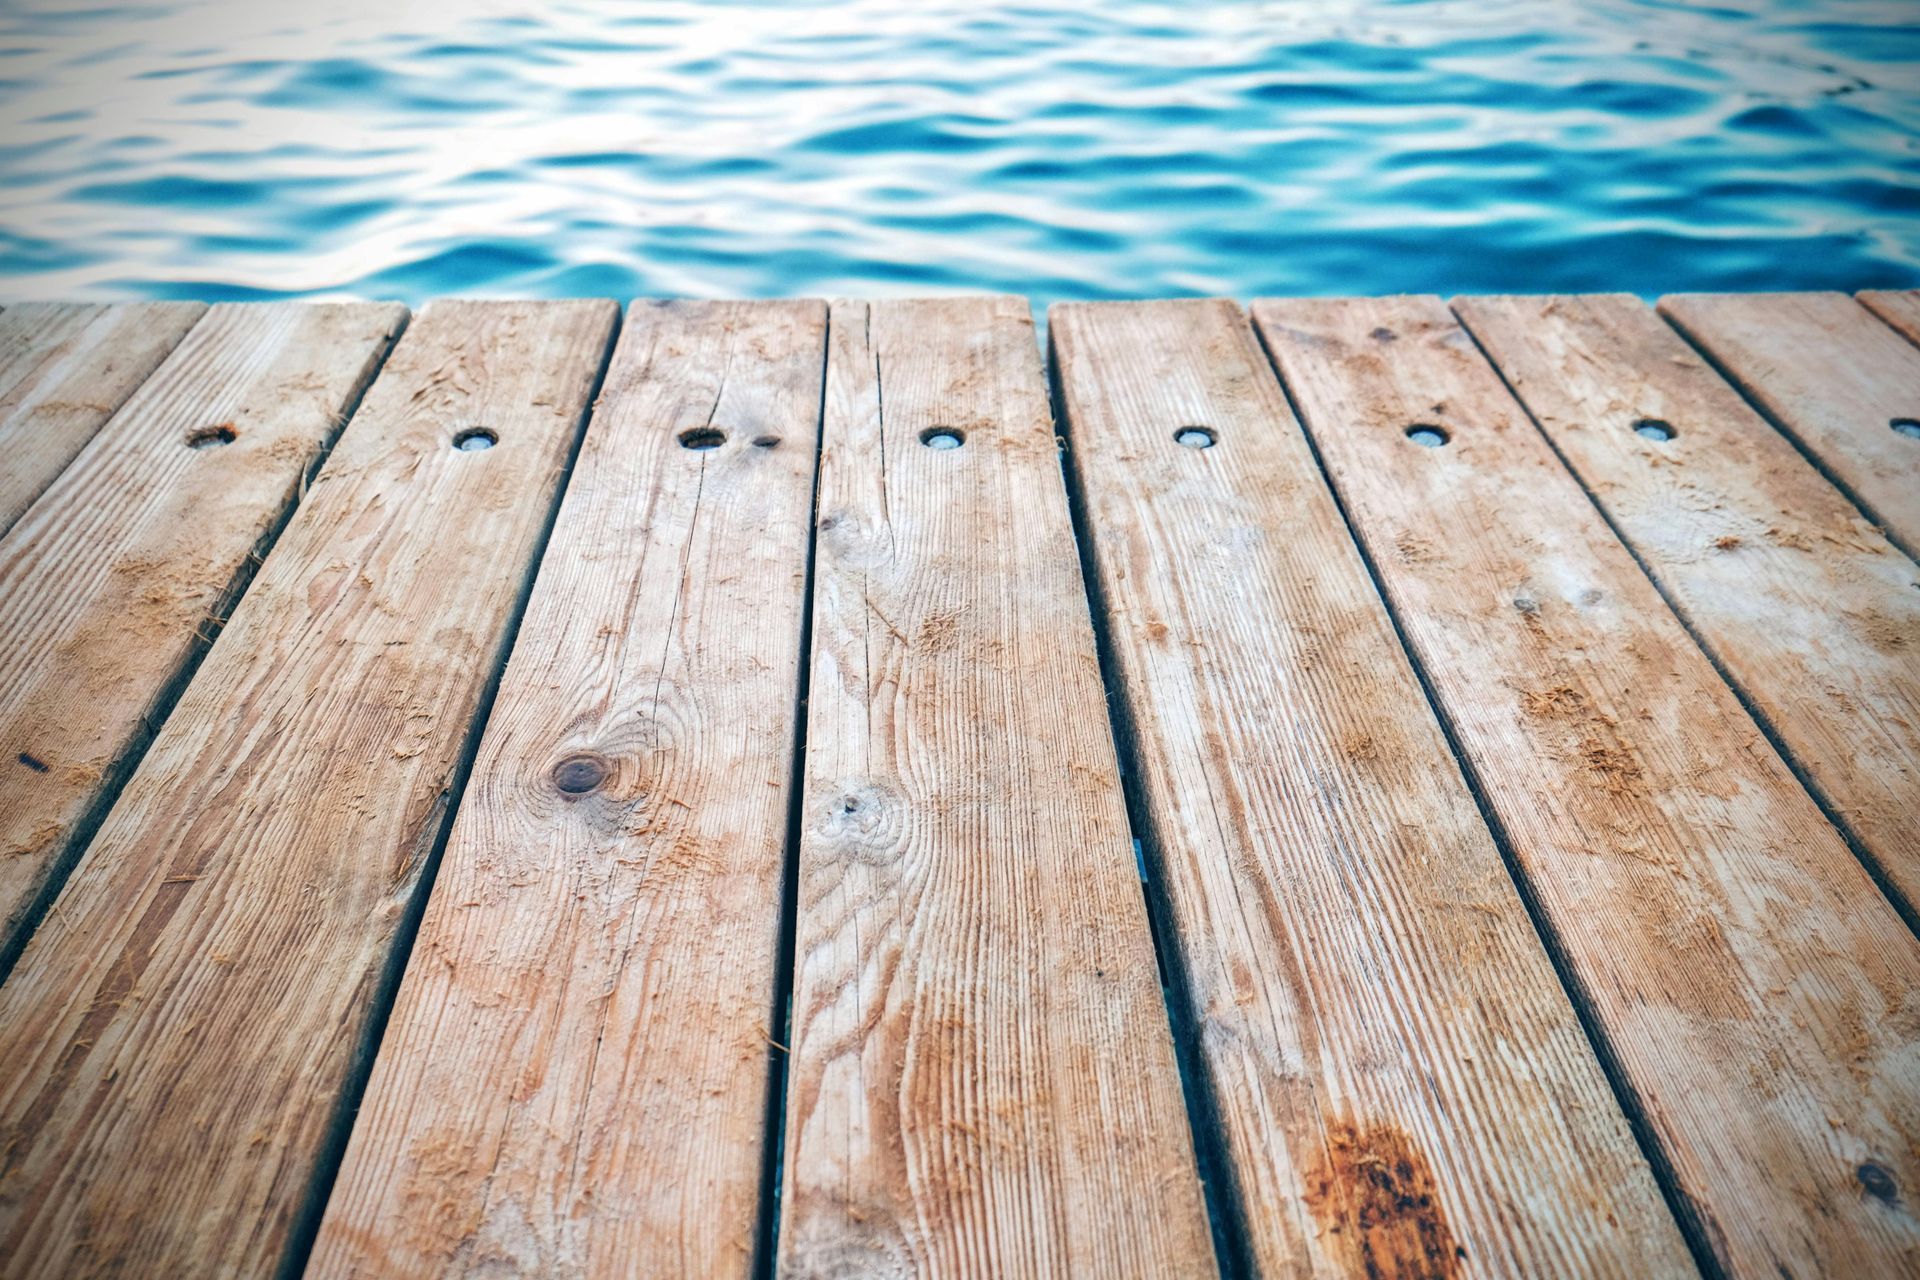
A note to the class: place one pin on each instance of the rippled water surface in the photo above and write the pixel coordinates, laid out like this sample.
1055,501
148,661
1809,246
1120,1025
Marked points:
407,148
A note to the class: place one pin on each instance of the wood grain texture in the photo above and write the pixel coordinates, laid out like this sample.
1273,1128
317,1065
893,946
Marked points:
1370,991
1898,307
575,1078
64,369
1759,995
109,587
180,1029
1811,612
1829,372
982,1081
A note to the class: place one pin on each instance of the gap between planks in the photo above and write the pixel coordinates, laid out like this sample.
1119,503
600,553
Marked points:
969,1040
114,583
601,942
1341,907
1807,610
64,370
1834,376
1645,808
214,918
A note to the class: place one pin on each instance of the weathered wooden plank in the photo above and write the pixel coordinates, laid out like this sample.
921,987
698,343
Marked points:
1830,373
64,369
1898,307
1761,998
982,1081
1810,611
179,1031
574,1081
1404,1086
108,586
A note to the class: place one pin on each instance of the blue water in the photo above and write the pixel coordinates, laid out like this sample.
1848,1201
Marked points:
409,148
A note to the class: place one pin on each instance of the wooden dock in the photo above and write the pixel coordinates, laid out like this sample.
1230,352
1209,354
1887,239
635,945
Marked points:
1361,787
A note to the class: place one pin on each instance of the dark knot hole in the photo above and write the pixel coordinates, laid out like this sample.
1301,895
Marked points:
578,774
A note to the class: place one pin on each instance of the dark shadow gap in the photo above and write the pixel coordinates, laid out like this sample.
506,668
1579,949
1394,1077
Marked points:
1754,402
1693,1228
1226,1208
1883,317
333,1146
114,779
779,1052
1874,868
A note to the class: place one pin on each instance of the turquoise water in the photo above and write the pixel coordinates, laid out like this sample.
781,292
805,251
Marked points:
390,148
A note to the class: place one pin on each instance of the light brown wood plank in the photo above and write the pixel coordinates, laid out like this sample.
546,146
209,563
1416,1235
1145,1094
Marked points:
1898,307
983,1082
1403,1083
180,1029
575,1078
1811,612
64,369
1761,997
111,584
1830,373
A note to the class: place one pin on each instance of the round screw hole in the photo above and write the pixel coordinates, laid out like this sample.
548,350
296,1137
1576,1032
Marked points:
1908,427
1195,437
765,442
942,437
579,774
1654,429
700,439
1878,1183
474,439
212,437
1427,436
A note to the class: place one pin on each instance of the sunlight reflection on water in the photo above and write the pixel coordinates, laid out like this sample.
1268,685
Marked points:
402,149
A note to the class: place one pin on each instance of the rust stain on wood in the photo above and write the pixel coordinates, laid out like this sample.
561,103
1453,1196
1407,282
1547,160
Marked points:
1376,1198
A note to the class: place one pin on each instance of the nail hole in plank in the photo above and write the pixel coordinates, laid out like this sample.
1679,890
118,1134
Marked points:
212,437
1878,1183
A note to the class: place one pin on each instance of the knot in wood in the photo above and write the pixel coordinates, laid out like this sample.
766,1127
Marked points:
580,773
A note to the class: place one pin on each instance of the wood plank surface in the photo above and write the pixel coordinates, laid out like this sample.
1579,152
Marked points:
1898,307
111,585
1760,997
1831,374
64,369
181,1028
1813,614
983,1082
1403,1083
575,1078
